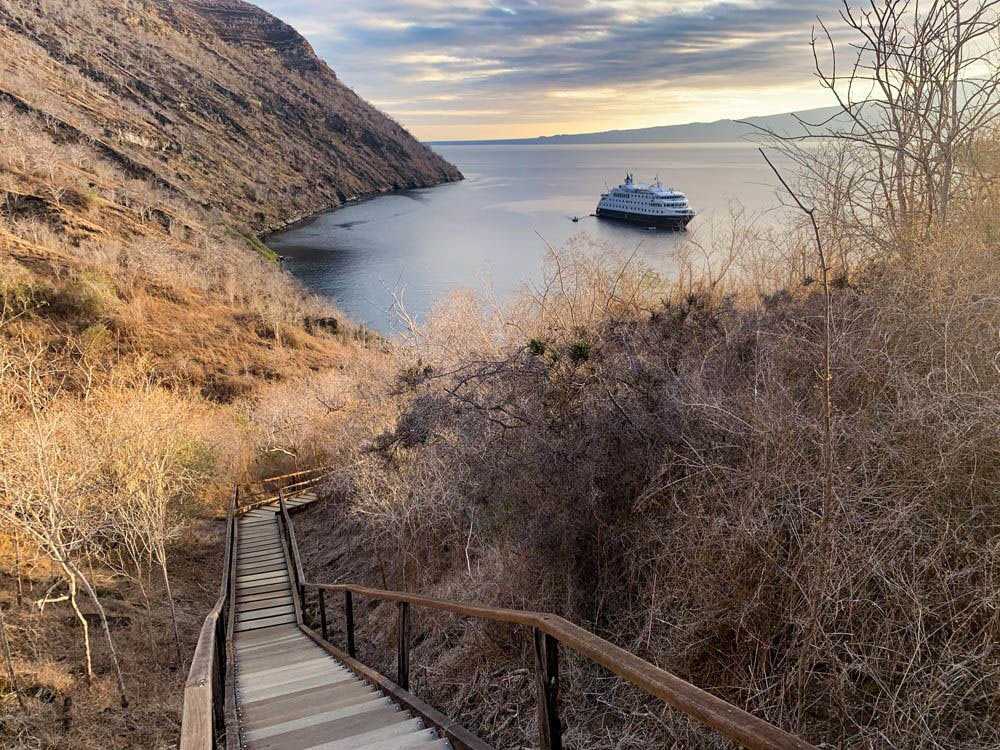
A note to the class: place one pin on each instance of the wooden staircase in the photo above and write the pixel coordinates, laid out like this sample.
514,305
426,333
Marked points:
264,678
290,693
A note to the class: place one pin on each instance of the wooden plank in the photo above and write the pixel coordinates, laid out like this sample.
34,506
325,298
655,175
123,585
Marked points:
263,546
276,679
406,743
433,745
547,689
310,699
264,558
270,714
261,567
267,559
252,554
252,651
248,644
256,599
262,638
261,563
261,578
257,539
261,551
269,690
267,579
197,715
306,660
266,623
303,669
253,565
265,612
312,720
258,545
257,604
254,562
270,588
277,647
333,730
275,599
382,738
251,666
253,656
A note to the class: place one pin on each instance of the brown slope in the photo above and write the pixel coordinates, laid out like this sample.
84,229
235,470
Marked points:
224,103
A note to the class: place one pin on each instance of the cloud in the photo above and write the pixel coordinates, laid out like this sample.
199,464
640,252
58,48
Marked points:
517,57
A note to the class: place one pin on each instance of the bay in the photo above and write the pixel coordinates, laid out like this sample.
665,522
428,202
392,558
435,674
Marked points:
490,232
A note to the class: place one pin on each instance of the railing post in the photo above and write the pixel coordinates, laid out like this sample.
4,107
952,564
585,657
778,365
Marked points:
547,681
403,647
349,620
322,613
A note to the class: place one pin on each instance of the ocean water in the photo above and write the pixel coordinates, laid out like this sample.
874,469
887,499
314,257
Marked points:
490,232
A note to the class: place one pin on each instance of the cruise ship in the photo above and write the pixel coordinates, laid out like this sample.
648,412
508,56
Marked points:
649,205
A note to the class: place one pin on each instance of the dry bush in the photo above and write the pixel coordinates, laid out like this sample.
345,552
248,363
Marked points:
321,418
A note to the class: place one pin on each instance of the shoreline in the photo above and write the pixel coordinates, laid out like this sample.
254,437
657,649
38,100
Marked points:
302,219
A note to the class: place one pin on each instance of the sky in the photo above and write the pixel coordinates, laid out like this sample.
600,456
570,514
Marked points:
479,69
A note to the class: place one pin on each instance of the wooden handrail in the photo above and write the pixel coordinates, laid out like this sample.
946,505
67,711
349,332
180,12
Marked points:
279,477
293,547
274,498
204,689
714,712
303,483
722,716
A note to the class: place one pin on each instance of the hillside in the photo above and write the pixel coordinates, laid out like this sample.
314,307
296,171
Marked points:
143,145
720,131
219,101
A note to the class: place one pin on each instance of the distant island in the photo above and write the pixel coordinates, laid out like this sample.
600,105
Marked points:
695,132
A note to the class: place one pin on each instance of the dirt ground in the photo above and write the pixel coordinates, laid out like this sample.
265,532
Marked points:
63,708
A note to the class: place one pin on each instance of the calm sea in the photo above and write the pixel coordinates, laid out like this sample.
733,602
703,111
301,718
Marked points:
489,232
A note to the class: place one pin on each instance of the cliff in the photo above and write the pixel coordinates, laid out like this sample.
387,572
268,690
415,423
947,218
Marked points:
142,144
221,102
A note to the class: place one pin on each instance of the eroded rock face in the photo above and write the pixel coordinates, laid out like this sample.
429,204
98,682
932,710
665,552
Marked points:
223,102
244,25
